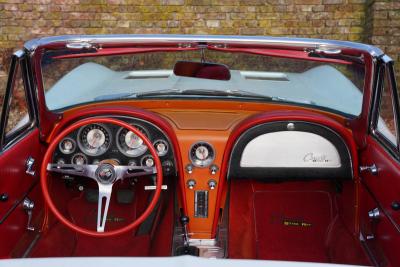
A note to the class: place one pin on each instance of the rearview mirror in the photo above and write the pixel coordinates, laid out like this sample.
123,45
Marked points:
202,70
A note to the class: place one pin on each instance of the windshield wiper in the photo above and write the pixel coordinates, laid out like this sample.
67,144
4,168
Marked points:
205,92
187,92
116,96
296,101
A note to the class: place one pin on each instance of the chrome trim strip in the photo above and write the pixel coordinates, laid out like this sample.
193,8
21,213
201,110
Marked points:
32,45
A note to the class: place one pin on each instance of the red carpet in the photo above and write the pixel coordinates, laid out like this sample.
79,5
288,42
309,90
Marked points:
292,225
84,214
60,241
291,221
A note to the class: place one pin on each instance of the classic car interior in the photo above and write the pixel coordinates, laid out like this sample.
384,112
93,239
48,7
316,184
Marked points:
214,147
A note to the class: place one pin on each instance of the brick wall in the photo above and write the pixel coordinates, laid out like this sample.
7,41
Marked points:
384,27
376,22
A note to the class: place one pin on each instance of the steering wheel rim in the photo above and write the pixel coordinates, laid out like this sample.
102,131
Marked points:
44,178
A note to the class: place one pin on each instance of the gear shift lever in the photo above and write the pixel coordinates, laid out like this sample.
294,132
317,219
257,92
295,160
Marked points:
186,249
184,221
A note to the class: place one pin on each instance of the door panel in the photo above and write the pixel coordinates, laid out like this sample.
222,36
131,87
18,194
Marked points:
14,181
13,229
17,184
381,237
19,140
385,186
379,219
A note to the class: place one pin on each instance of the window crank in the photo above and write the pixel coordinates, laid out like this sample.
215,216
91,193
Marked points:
28,206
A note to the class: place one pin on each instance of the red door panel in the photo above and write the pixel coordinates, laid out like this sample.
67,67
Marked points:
385,186
17,184
381,234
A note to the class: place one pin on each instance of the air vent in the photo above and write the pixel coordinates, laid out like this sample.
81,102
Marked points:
270,76
149,74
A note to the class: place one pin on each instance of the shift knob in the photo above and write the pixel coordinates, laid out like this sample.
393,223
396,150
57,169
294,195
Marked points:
184,220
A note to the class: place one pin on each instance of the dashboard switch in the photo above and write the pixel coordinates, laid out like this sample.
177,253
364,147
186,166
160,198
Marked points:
191,184
213,169
189,168
212,184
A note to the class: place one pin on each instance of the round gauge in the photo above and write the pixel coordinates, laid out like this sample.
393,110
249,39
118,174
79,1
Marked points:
129,143
67,145
79,159
94,139
201,154
161,147
147,161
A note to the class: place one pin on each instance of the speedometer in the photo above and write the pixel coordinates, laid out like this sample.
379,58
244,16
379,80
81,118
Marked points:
94,139
129,143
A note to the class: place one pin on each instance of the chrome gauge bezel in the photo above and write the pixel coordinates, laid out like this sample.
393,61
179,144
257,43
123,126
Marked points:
102,149
79,154
137,152
166,147
143,158
202,163
67,152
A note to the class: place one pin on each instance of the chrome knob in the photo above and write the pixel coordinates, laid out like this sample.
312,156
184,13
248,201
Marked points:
374,214
212,184
213,169
29,166
28,205
373,169
189,168
191,184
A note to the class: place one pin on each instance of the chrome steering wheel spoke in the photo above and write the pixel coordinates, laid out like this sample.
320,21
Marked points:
133,171
105,175
105,191
88,171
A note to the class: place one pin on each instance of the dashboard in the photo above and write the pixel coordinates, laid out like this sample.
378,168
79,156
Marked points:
194,145
95,143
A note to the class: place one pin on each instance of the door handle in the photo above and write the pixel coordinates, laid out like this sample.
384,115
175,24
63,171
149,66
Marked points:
373,169
374,214
29,166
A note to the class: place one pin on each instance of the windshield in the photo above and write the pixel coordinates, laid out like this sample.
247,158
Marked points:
72,81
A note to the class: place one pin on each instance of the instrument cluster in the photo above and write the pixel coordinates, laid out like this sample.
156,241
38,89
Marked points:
95,143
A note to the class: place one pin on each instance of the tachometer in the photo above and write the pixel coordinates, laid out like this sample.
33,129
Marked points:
129,143
94,139
201,154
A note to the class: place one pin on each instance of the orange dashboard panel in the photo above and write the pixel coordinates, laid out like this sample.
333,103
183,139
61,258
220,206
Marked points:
202,129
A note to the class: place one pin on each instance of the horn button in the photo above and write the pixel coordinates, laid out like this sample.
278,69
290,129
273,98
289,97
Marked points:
105,173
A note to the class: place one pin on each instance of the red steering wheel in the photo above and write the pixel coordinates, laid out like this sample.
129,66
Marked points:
105,174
